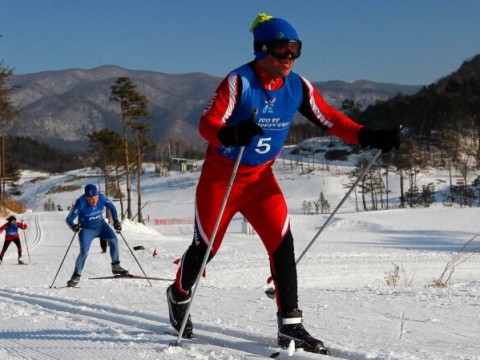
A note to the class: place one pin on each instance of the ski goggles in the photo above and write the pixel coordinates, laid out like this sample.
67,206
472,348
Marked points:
280,49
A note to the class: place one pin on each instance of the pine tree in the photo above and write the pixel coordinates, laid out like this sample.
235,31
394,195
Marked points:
107,144
133,106
324,204
7,115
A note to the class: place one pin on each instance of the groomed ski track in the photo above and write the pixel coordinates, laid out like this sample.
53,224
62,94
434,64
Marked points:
87,329
108,332
342,293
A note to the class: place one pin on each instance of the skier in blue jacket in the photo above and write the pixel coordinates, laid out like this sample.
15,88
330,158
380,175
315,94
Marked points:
89,209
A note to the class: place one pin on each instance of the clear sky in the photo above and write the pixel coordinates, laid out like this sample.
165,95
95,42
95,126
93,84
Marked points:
412,42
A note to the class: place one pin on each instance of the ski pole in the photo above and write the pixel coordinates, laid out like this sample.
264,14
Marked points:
131,251
271,291
214,234
210,243
26,245
61,264
339,205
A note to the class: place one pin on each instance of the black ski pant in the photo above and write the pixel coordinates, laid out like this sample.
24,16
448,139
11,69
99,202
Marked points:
7,243
283,269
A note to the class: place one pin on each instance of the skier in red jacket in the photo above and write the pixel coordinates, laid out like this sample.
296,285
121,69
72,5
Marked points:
268,85
11,235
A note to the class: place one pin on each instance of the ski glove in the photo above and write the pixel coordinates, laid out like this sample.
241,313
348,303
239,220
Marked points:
76,227
385,140
239,135
117,226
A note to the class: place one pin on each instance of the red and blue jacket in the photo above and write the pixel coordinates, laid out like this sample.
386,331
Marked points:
246,88
11,230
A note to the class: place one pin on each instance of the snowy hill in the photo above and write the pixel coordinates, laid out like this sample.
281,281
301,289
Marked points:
343,288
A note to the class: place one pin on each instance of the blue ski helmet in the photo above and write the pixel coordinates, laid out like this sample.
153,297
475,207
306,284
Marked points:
91,190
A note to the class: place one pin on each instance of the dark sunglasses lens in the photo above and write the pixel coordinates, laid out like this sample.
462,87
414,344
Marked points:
283,50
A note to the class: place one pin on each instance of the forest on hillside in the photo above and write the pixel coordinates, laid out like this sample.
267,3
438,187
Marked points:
440,128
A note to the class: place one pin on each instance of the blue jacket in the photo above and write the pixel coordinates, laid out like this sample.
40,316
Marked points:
90,217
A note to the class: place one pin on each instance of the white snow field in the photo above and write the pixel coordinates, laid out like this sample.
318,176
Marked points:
343,288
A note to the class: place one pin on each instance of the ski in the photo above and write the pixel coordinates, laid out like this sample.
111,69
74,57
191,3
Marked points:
279,353
17,264
66,287
130,276
287,354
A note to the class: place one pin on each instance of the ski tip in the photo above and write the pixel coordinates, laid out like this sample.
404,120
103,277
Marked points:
275,355
65,287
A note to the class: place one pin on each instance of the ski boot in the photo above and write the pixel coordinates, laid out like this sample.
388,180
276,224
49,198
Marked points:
118,270
177,308
73,280
290,327
20,261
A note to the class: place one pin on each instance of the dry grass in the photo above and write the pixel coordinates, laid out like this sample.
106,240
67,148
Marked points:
81,177
398,274
460,257
8,206
60,189
39,178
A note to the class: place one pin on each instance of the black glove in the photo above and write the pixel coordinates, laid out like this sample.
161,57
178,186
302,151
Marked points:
385,140
76,227
117,226
239,135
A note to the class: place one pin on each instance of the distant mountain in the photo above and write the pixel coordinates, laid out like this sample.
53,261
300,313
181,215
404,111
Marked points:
468,73
450,104
62,107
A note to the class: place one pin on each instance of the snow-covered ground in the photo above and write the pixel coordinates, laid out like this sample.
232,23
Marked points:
343,288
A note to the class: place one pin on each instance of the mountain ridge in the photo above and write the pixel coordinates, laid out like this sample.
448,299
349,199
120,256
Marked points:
61,107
